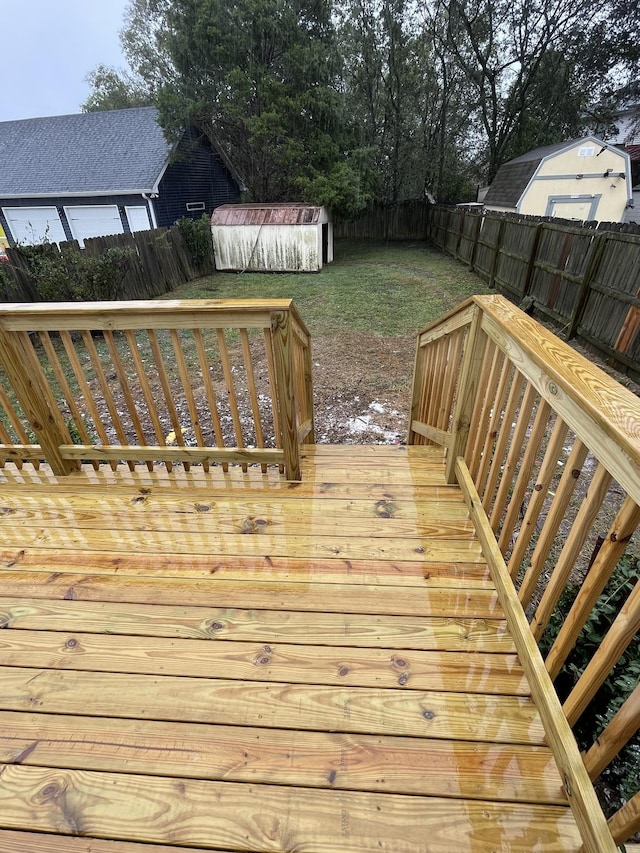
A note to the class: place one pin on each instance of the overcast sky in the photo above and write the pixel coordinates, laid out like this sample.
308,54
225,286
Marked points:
48,47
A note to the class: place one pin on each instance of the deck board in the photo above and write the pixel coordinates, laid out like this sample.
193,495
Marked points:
232,662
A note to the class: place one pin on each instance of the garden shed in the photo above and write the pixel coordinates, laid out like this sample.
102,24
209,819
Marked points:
289,237
583,179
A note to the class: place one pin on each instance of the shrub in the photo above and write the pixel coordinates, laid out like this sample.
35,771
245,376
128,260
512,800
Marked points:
619,781
73,275
197,236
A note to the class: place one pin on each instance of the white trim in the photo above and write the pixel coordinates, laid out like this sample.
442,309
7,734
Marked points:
84,194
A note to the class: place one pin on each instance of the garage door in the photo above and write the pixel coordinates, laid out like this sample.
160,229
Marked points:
33,225
138,218
93,220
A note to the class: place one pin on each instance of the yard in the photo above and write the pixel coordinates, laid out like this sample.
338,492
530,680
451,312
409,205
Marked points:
363,312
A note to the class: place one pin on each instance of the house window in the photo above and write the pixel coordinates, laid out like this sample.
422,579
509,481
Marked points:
586,151
195,205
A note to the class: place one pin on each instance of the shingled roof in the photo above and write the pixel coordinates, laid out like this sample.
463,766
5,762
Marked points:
115,151
512,177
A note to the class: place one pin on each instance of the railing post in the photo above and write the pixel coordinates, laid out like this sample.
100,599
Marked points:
308,389
282,337
467,393
32,390
416,389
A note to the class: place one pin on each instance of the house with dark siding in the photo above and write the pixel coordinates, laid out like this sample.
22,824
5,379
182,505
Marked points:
111,172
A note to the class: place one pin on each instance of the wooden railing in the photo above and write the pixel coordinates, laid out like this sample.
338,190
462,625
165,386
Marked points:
546,448
199,381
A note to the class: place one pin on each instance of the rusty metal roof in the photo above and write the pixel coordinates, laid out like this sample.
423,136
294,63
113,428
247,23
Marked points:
266,214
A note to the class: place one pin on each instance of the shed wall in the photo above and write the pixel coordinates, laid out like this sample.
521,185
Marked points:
557,178
273,248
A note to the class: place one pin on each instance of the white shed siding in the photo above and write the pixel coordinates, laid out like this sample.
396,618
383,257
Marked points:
273,238
282,248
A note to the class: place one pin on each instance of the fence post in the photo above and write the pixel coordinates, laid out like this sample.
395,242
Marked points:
531,265
468,385
598,246
282,336
476,238
24,372
496,255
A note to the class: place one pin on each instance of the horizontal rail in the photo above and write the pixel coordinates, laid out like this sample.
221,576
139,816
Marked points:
225,381
551,447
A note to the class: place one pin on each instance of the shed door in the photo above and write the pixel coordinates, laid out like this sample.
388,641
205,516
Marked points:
582,208
33,225
138,218
93,220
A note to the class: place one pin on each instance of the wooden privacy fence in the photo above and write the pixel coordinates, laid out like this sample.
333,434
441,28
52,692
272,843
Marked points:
159,260
586,279
199,381
546,448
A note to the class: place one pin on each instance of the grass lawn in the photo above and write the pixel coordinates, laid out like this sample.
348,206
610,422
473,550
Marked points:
363,312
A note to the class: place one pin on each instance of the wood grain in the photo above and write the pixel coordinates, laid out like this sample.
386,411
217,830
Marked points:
275,818
296,664
452,716
264,626
424,767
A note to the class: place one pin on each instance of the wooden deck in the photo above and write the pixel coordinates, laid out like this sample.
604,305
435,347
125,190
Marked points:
233,662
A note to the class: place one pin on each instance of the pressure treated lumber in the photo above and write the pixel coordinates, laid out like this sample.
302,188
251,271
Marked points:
270,817
426,767
295,664
265,626
451,716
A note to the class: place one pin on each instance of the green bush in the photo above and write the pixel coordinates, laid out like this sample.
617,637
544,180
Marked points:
620,779
197,236
74,275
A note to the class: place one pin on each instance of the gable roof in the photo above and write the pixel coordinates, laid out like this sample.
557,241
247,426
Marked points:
114,151
513,177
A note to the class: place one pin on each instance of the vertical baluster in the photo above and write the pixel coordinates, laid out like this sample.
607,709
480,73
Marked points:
539,495
482,411
612,549
166,389
454,354
209,391
106,392
15,422
61,376
502,440
499,402
626,821
513,456
188,392
516,500
573,545
126,391
608,653
615,736
231,391
141,373
564,491
268,340
253,393
83,386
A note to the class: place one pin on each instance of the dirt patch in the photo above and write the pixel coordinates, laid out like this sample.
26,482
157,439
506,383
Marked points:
362,388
